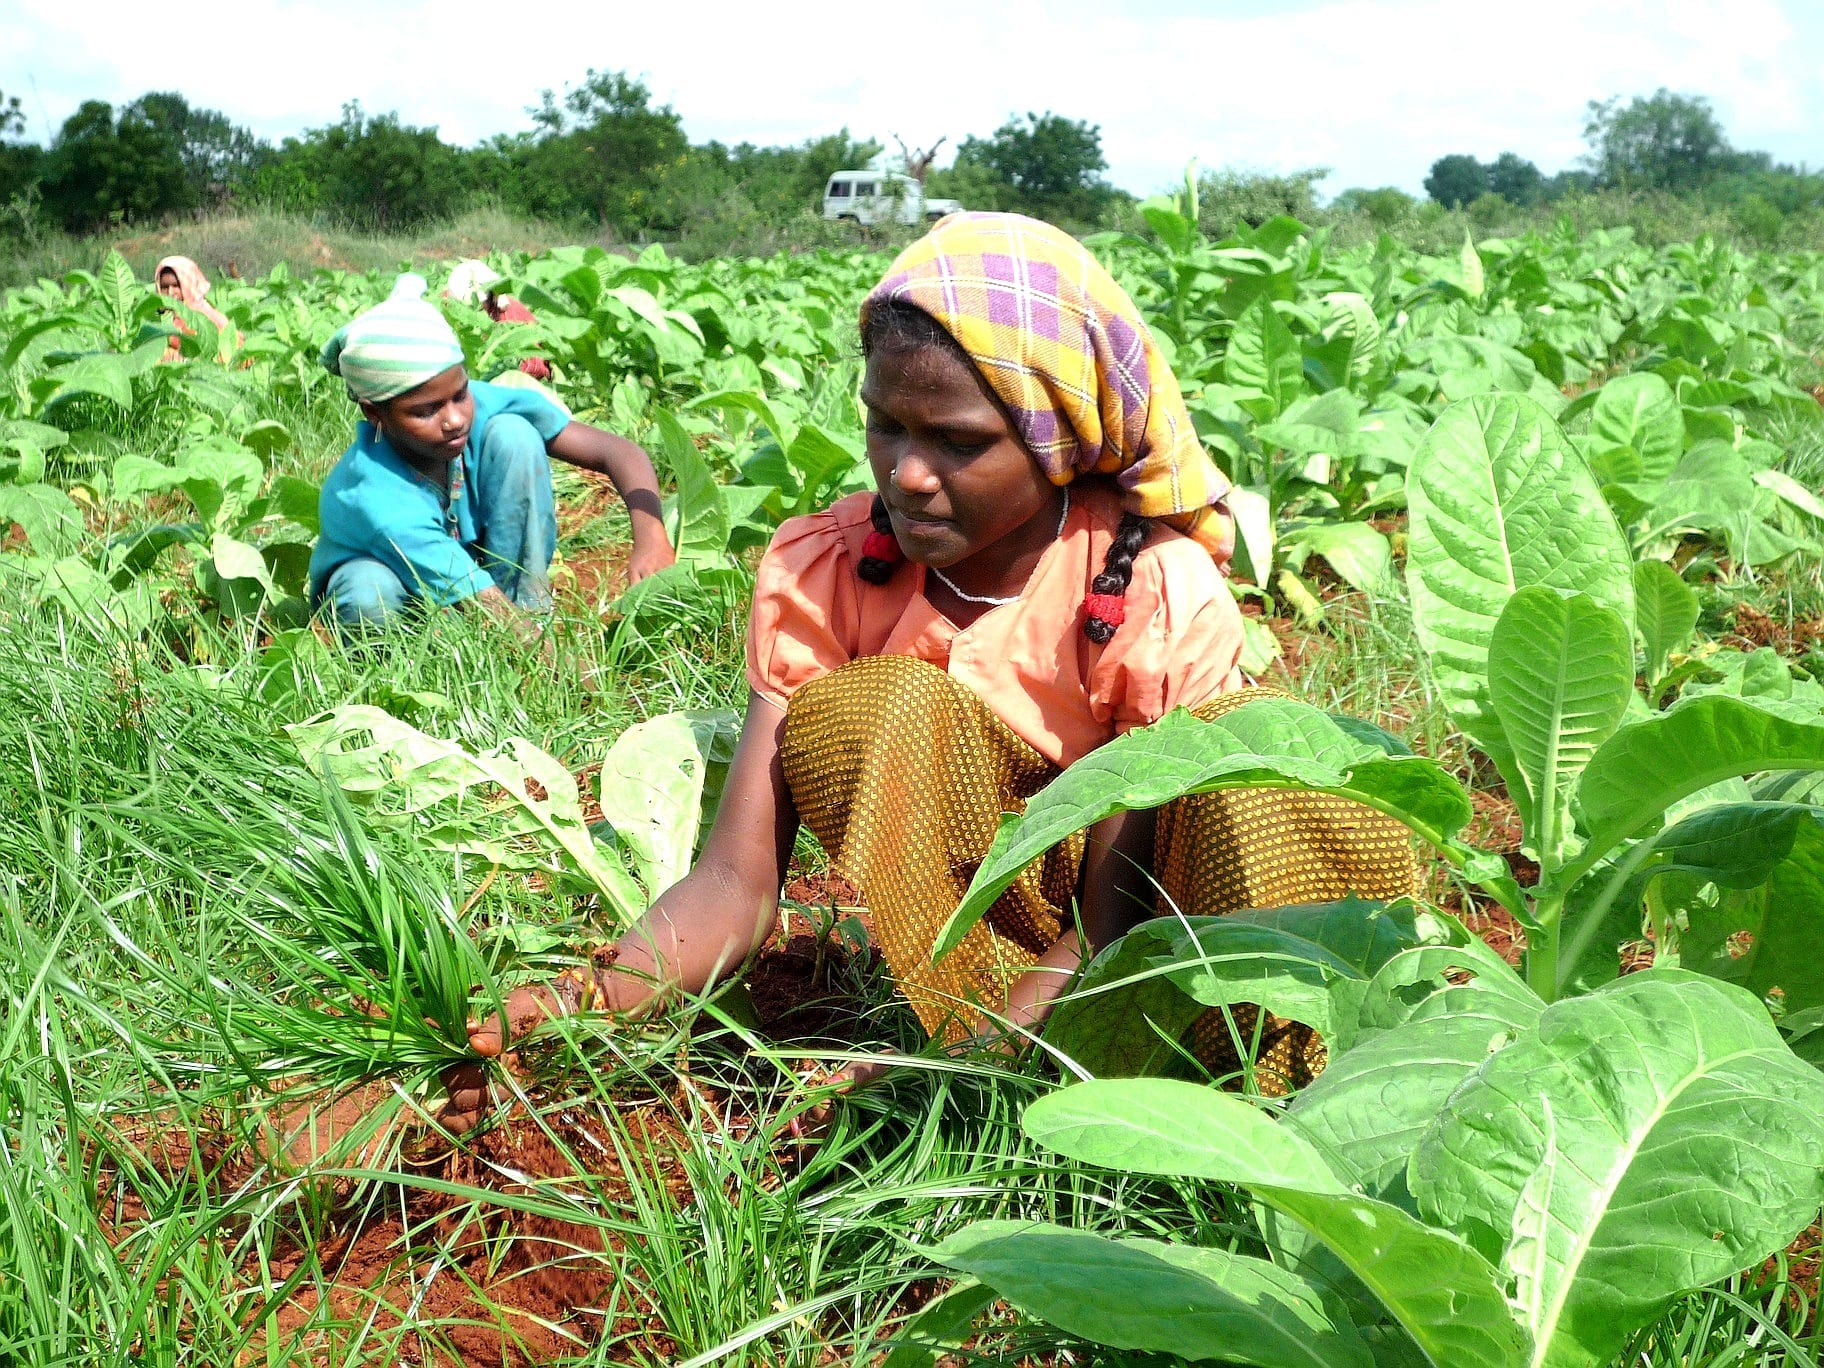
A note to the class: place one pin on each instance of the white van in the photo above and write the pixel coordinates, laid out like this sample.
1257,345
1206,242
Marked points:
881,197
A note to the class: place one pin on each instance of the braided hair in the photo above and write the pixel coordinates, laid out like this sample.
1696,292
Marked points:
893,324
880,553
1105,608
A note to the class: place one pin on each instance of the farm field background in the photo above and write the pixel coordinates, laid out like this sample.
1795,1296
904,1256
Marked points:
253,875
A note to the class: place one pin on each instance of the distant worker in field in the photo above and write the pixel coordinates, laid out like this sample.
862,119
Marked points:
445,494
1040,571
180,278
472,283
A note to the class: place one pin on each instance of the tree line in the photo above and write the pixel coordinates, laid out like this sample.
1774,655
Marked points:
599,153
602,155
1664,142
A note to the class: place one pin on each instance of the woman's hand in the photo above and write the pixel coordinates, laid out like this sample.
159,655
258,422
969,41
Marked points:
699,930
527,1008
813,1123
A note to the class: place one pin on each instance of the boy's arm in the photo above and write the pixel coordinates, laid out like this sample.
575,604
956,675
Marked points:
631,470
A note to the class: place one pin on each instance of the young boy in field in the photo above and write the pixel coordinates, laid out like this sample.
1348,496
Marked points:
445,494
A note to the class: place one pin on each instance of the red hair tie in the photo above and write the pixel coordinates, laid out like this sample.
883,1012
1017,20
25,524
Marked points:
1109,608
881,546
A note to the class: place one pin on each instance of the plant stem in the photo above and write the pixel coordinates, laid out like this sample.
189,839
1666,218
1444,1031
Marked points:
1542,944
1590,919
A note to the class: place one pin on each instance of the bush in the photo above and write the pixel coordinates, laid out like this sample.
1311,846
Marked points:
1226,198
371,170
1385,208
1759,219
1044,165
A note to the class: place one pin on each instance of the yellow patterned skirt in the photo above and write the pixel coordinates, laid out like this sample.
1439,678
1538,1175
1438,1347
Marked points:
903,775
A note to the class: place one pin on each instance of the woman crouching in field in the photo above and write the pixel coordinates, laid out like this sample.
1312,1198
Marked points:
181,279
1040,572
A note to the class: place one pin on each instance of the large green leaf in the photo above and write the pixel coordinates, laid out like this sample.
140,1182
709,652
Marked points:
1252,512
1710,488
1363,935
214,473
747,401
1804,1032
1651,1137
299,500
1310,964
1789,491
1648,766
1264,355
1665,613
1445,1295
1351,320
1135,1293
1125,1014
120,291
50,519
1269,743
1368,1108
1180,1130
136,475
1560,675
1469,262
1436,980
821,462
941,1326
103,375
1714,490
1731,844
700,532
1640,411
1499,501
651,788
406,775
1769,938
1360,554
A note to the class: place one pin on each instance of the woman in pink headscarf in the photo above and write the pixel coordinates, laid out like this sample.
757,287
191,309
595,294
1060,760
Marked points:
182,279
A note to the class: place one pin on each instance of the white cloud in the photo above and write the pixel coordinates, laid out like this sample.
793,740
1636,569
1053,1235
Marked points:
1373,88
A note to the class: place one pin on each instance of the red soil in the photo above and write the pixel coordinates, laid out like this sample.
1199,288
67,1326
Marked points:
589,578
502,1287
1751,629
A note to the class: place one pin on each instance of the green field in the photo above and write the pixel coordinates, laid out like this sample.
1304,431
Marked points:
1545,511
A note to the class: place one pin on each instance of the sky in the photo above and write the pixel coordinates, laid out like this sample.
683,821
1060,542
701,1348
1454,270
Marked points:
1376,90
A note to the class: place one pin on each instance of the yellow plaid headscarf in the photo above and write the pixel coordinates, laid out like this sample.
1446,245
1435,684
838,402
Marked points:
1064,348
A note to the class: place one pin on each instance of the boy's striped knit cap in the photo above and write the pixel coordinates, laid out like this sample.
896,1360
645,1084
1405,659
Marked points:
395,346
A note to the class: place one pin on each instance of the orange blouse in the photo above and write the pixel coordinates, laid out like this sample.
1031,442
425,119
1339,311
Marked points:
1029,660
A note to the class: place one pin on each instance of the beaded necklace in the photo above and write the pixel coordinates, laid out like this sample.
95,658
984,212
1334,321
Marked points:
990,599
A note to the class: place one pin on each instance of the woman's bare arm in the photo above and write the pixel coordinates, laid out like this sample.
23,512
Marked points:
704,926
1116,895
630,469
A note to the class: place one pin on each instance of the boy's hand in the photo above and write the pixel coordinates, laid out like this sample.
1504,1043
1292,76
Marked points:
649,560
630,470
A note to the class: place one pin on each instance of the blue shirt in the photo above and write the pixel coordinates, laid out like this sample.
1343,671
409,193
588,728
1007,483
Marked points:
375,504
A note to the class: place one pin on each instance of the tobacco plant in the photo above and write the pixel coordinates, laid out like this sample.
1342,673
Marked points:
1494,1168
